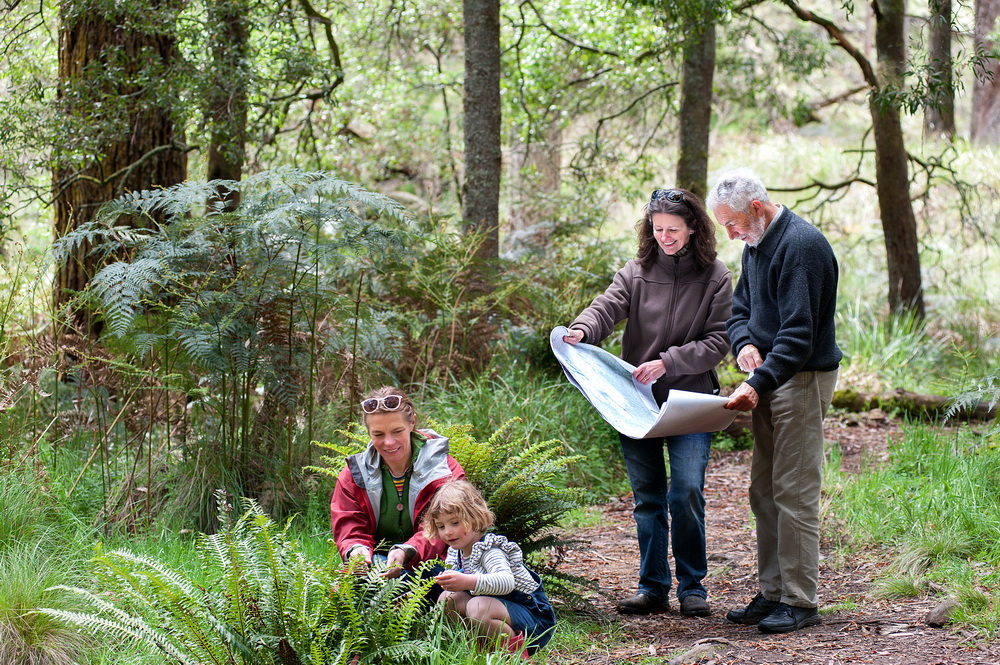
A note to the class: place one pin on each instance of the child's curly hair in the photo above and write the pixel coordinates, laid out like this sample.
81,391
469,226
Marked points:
461,498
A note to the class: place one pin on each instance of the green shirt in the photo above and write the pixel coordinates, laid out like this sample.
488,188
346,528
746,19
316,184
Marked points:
395,524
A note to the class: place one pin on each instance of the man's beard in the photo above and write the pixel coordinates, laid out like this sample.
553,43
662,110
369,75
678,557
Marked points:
756,231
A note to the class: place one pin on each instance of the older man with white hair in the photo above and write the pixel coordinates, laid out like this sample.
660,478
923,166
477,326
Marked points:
782,333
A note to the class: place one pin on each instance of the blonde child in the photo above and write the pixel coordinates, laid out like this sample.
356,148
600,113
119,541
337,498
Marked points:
488,583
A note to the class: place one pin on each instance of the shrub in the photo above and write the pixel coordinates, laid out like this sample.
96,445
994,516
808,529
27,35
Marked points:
256,600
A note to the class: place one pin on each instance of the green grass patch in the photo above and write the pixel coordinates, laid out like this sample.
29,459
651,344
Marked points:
936,507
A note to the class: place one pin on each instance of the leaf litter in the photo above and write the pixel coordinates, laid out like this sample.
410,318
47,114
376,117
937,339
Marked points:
858,626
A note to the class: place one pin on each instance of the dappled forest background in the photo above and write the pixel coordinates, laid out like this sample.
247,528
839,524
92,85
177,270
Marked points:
416,192
223,221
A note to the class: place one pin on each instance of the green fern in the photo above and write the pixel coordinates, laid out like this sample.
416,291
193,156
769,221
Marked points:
248,304
258,600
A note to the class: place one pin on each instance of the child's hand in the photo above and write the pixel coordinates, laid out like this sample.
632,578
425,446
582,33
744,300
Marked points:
452,580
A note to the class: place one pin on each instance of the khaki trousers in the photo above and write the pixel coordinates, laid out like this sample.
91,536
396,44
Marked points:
785,480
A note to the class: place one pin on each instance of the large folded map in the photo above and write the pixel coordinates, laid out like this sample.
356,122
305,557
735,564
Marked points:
629,406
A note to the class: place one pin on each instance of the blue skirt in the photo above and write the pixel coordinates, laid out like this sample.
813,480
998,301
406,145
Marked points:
531,614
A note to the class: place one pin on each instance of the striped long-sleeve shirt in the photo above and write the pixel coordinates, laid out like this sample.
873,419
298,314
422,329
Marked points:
498,565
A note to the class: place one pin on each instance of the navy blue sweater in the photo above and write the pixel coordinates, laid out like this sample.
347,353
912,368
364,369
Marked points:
784,302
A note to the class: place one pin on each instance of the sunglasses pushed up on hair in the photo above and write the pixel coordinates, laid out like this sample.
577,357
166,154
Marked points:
671,195
387,403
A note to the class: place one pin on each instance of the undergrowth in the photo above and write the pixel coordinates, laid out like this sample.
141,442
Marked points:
936,507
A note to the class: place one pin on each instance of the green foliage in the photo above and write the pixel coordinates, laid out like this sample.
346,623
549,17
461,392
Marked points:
39,547
27,571
937,506
520,481
239,312
257,599
545,404
728,443
986,389
887,353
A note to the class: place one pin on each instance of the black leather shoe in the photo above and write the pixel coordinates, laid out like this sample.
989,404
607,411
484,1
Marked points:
642,603
753,613
695,606
785,619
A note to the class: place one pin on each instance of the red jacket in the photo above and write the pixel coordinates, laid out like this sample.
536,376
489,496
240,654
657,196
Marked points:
358,495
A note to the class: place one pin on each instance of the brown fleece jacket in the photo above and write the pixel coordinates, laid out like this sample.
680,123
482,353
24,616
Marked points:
675,312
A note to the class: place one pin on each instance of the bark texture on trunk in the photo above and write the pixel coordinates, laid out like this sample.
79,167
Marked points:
986,94
696,109
227,103
939,113
899,224
104,88
481,191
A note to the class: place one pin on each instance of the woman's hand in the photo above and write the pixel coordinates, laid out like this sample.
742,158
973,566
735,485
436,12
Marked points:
574,337
646,373
362,552
453,580
394,563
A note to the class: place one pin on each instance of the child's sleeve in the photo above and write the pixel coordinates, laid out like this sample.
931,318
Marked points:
497,578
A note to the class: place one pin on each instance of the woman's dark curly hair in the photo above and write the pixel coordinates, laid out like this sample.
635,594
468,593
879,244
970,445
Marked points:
692,211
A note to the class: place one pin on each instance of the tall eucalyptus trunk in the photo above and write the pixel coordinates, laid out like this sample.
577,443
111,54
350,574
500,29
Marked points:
696,108
899,224
481,191
939,111
985,126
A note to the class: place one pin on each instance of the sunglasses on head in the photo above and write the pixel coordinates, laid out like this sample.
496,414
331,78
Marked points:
671,195
387,403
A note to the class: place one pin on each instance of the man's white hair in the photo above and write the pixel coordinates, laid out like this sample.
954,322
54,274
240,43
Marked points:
736,189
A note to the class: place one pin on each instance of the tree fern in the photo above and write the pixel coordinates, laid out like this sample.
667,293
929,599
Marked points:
239,298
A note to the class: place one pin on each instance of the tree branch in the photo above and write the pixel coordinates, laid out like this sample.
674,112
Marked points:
566,38
840,38
600,123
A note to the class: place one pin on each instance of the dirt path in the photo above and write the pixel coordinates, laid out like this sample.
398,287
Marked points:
859,629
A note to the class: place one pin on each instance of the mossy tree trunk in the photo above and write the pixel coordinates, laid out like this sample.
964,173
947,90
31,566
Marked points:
113,92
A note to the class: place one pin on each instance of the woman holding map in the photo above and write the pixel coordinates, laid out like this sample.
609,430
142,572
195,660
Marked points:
675,297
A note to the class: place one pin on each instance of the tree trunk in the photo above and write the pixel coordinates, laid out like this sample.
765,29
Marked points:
696,108
227,95
985,126
899,224
481,191
131,142
939,112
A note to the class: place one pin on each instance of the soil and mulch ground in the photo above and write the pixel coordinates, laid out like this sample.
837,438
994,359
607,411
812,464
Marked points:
857,627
